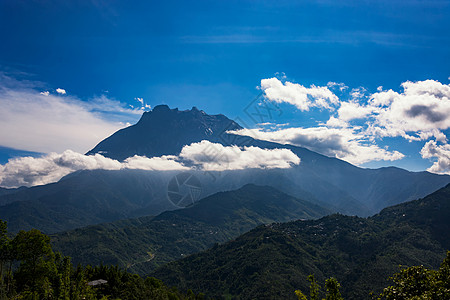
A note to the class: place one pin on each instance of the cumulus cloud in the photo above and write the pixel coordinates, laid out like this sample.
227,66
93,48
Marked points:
419,112
42,122
61,91
30,171
216,157
296,94
342,143
422,110
441,155
353,110
163,163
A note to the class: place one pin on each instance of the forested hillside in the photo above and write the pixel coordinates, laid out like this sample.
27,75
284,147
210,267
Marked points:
272,260
145,243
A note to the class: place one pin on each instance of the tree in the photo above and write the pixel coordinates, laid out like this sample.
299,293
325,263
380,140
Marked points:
314,288
37,266
419,282
332,286
6,260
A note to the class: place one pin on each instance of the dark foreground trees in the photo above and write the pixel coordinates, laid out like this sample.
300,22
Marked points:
413,283
331,285
420,283
29,269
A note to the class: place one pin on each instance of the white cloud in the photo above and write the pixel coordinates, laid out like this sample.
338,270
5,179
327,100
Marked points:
61,91
29,171
143,104
46,93
163,163
441,154
421,111
216,157
342,87
296,94
353,110
46,123
341,143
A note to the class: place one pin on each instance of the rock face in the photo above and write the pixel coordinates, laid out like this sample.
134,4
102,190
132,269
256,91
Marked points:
164,131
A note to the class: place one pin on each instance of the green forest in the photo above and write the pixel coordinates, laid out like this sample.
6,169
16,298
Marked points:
29,269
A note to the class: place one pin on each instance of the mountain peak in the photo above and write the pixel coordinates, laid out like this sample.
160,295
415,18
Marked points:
164,131
162,108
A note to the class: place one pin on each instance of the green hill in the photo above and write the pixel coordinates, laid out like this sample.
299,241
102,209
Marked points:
272,261
145,243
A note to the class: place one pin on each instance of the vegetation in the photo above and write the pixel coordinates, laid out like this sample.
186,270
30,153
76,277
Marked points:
413,283
142,244
273,260
331,284
419,282
43,274
270,261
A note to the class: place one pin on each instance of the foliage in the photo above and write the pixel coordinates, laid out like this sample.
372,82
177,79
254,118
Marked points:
331,284
43,274
361,253
419,282
141,245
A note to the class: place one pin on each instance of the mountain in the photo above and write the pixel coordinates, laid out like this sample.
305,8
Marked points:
164,131
145,243
4,191
98,196
272,261
349,189
84,198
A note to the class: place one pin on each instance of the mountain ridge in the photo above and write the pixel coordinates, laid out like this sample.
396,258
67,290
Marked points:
271,261
337,184
353,184
172,234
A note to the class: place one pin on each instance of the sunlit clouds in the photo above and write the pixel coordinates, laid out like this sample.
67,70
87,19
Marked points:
30,171
358,120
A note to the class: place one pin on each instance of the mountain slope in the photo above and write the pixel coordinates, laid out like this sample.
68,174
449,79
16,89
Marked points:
272,261
349,189
92,197
164,131
84,198
145,243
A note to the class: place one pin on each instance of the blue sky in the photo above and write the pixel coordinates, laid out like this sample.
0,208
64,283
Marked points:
111,55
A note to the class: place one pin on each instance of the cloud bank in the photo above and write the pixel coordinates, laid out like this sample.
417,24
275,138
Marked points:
216,157
29,171
341,143
359,120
